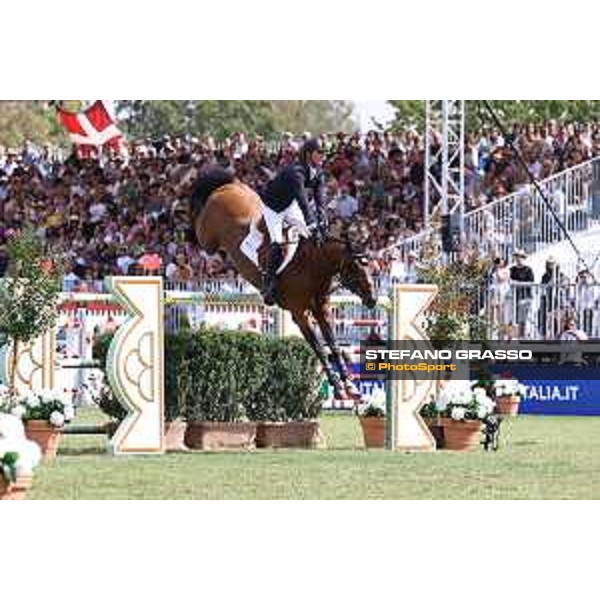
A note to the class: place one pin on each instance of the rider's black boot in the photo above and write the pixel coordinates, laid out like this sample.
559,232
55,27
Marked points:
270,282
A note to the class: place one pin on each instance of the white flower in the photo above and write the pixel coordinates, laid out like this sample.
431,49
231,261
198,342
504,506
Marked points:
33,401
458,413
479,394
11,428
29,457
18,411
506,387
482,412
57,419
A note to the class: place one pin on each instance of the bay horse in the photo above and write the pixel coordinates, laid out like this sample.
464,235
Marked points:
223,209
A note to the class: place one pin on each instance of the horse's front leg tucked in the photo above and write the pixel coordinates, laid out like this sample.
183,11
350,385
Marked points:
301,319
323,317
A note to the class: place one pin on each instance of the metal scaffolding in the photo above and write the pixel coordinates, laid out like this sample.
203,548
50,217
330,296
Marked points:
444,158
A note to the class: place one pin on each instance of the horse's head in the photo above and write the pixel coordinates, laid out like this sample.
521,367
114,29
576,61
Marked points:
354,275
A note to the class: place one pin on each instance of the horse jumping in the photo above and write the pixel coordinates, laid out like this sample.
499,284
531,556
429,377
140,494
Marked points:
224,210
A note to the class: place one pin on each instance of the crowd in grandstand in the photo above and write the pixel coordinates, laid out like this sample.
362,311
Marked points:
128,213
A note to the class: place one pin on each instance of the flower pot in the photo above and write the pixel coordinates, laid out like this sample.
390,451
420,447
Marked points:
14,491
216,435
437,431
461,435
175,436
507,405
373,429
293,434
46,436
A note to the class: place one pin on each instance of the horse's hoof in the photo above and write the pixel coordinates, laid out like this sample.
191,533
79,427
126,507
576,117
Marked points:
270,299
352,390
339,393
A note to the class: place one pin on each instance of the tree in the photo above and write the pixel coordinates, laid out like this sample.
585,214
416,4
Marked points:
29,294
29,120
411,113
316,116
221,118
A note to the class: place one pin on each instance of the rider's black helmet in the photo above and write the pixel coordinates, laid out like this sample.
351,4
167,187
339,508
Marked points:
310,146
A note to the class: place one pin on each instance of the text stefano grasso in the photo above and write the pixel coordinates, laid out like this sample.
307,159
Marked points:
385,354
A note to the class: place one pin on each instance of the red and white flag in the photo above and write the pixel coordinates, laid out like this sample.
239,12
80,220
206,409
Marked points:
92,127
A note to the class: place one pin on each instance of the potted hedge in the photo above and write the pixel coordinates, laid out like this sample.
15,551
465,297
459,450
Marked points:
288,403
224,370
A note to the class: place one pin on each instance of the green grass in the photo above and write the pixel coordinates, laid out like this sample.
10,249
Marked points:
541,457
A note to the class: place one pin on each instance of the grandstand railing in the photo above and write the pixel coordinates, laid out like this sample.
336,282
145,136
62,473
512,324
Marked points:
523,220
539,311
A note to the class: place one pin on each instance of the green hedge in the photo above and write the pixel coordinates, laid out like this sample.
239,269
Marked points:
232,375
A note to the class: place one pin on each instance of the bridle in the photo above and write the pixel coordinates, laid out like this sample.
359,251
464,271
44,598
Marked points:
349,274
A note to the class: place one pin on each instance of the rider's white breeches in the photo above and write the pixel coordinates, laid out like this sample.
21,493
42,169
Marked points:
292,215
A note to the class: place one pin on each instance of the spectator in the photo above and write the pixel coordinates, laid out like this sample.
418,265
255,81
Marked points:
571,335
500,289
347,205
550,299
521,273
587,300
179,271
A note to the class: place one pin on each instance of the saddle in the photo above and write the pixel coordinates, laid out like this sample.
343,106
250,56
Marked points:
255,245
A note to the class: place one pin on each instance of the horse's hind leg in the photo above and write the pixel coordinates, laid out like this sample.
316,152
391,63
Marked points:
323,318
309,335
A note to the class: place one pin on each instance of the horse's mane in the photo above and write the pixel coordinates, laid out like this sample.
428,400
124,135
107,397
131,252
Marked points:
212,179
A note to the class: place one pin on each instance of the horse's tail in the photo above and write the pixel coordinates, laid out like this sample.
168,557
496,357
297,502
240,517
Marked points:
214,178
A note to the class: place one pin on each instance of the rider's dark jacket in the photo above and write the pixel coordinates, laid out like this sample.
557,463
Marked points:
292,183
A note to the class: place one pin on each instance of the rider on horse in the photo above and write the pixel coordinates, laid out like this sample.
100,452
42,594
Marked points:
285,201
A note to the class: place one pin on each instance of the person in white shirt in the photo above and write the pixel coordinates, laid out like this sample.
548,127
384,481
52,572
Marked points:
347,205
586,299
410,275
124,261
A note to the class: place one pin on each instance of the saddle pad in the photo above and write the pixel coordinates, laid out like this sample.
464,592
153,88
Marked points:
255,239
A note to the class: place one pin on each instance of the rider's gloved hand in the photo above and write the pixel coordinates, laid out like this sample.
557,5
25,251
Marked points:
316,233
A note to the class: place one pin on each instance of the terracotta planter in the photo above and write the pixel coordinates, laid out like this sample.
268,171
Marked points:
175,436
294,434
215,435
46,436
14,491
437,431
461,435
373,429
507,405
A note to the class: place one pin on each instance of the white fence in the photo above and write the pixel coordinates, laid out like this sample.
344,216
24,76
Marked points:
524,220
540,311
